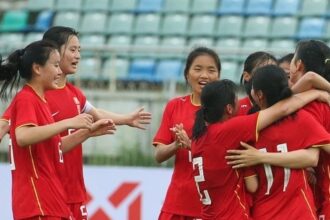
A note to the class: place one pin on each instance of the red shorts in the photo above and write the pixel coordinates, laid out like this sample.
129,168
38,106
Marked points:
78,210
170,216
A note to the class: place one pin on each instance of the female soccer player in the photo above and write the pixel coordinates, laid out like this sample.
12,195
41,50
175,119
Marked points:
215,131
251,63
182,201
68,101
35,146
310,55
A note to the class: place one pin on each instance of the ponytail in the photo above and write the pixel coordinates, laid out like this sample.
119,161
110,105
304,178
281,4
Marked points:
9,70
199,127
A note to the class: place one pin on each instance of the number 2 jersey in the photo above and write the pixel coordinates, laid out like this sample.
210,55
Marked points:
285,193
222,188
36,188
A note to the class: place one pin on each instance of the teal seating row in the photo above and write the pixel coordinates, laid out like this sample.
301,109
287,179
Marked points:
242,7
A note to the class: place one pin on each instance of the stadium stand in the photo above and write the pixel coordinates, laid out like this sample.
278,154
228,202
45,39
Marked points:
167,29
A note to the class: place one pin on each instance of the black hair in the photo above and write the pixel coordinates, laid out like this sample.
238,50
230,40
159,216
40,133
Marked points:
59,35
19,64
286,58
254,60
214,98
273,82
199,51
315,55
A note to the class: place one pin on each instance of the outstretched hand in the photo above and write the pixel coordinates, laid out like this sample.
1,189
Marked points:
102,127
250,156
181,136
139,118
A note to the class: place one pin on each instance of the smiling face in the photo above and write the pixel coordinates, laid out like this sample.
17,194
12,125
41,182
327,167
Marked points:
202,71
70,55
51,72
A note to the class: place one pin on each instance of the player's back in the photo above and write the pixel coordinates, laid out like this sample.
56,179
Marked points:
284,193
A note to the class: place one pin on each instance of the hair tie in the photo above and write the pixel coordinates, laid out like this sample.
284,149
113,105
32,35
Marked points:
326,61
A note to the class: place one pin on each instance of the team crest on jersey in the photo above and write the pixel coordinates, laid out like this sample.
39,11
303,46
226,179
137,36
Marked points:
76,101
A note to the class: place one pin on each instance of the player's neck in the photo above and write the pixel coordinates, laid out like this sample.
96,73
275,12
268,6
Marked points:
62,80
195,99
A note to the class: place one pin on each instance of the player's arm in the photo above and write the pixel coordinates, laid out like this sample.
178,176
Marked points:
288,106
138,118
311,80
250,156
251,183
31,134
164,152
4,128
101,127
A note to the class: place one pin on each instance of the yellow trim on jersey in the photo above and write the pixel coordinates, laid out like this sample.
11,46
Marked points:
305,180
239,200
26,125
32,161
253,175
257,125
37,197
42,98
309,206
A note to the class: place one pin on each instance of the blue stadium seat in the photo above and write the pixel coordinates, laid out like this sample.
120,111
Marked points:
69,19
147,24
286,7
229,26
203,6
200,42
121,23
169,69
284,27
14,20
175,24
91,41
93,22
229,70
202,25
89,68
99,5
142,70
144,46
175,6
38,5
228,47
44,21
283,46
72,5
145,6
314,7
259,7
123,5
115,68
311,27
257,26
231,7
176,44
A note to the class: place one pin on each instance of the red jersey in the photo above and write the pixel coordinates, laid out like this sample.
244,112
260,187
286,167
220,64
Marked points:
64,103
36,188
221,188
321,113
284,193
244,105
182,197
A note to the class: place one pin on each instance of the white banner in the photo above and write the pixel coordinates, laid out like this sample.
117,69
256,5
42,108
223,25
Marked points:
115,193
